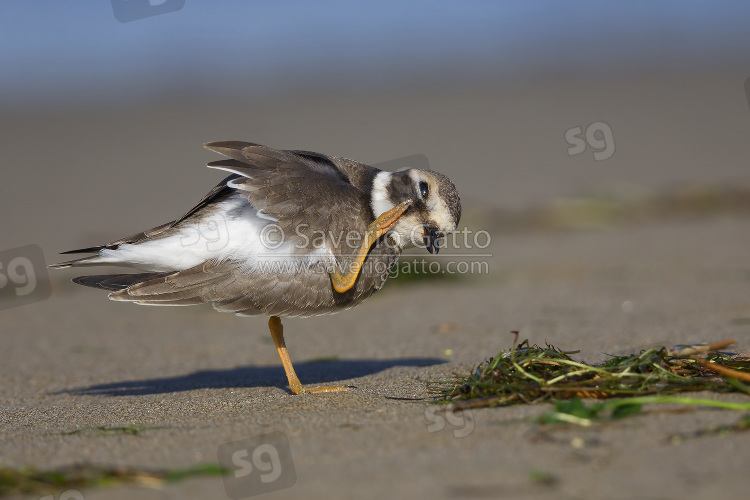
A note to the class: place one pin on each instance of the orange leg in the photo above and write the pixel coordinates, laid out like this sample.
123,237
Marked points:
277,332
375,230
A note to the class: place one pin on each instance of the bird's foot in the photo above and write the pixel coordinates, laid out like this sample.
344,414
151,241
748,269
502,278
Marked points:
318,389
376,229
387,220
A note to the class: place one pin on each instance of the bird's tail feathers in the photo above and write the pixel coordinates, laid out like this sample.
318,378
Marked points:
91,260
117,281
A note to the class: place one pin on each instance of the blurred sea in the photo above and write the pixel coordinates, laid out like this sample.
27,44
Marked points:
56,53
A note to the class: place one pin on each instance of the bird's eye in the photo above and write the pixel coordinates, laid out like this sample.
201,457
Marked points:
423,189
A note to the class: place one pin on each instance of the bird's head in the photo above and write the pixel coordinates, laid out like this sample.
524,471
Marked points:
435,211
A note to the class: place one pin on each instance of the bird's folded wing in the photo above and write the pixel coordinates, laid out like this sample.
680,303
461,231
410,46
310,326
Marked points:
295,188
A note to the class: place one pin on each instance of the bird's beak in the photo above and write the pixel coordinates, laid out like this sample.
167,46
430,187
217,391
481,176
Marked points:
431,239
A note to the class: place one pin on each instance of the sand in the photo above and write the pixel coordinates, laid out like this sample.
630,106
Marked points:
203,381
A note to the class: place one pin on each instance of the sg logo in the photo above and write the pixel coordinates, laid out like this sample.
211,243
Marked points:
257,465
269,467
214,233
461,421
23,276
598,136
132,10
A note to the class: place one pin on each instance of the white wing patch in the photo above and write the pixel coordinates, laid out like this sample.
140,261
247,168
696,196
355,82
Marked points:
236,230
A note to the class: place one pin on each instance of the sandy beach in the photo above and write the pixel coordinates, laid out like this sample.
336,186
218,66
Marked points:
196,380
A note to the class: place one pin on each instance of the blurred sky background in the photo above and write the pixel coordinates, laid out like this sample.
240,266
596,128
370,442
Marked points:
58,53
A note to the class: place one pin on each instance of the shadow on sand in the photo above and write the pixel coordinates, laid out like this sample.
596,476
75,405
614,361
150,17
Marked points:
310,373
